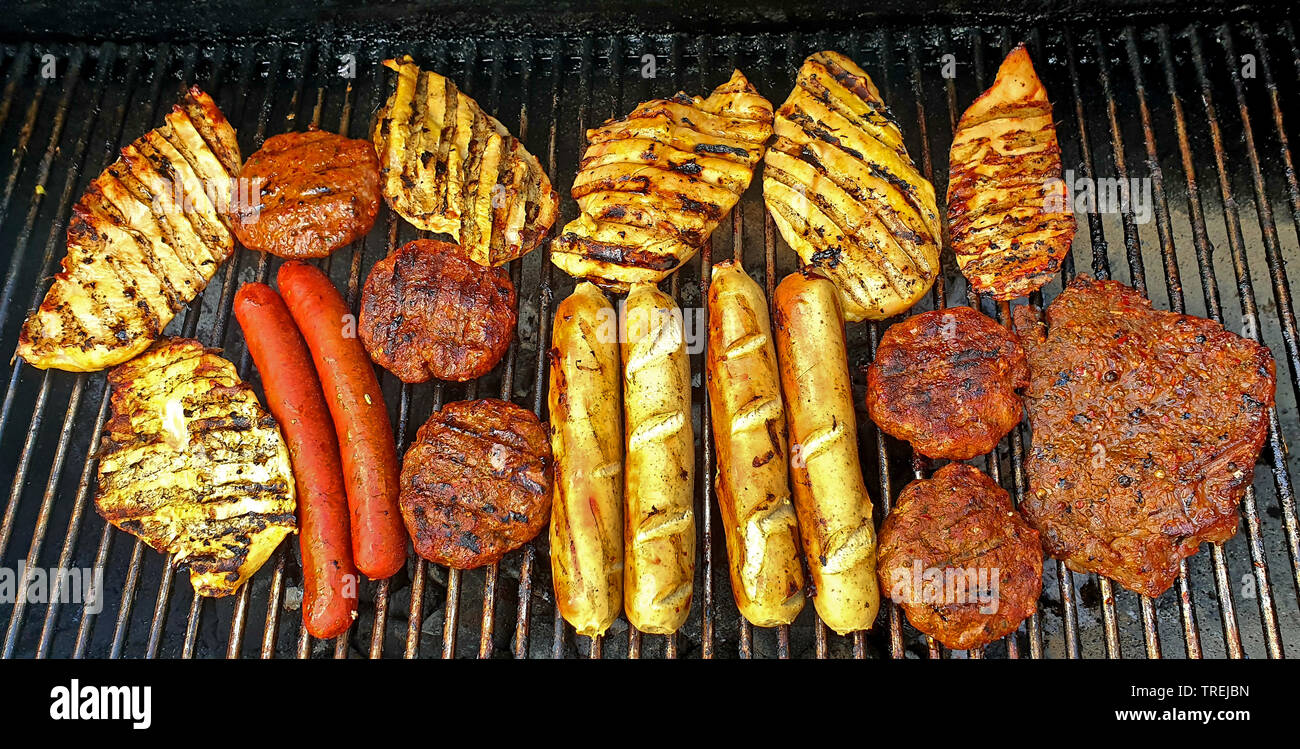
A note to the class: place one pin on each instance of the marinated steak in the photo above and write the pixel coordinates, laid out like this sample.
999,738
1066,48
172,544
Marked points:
1146,428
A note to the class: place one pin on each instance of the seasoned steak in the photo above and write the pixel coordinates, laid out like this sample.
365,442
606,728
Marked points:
947,382
319,191
964,566
1146,428
476,483
429,311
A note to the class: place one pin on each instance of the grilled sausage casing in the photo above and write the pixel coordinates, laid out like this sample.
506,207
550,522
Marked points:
749,430
295,398
360,416
659,528
587,445
839,540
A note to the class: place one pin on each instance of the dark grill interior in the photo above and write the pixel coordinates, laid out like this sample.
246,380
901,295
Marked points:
1174,103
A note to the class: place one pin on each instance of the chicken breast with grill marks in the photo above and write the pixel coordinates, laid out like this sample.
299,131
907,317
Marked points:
449,167
1007,215
845,195
653,185
192,465
145,239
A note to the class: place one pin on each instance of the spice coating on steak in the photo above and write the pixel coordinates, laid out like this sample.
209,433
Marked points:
476,483
428,311
1146,428
318,192
959,559
947,381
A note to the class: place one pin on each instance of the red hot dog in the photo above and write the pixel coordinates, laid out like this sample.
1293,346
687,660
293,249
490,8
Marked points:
370,469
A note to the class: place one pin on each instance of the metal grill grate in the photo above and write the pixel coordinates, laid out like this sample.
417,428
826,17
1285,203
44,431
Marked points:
1146,101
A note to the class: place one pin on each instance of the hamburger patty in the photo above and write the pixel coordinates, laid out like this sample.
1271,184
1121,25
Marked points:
428,311
947,382
476,483
319,192
1146,428
964,566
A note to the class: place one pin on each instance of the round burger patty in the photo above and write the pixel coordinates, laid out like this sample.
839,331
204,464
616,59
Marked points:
318,192
476,483
946,382
956,556
428,311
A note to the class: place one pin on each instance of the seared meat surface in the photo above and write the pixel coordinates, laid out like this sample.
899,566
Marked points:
192,465
959,559
846,196
1146,428
654,184
1007,214
318,192
476,483
427,311
947,381
451,168
144,240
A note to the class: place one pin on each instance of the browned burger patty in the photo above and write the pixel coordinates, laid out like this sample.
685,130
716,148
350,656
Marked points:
428,311
958,558
476,483
1146,428
319,192
946,382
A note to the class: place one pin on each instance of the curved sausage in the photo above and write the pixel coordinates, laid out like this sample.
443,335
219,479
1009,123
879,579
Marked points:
659,491
753,485
587,445
294,396
356,404
839,539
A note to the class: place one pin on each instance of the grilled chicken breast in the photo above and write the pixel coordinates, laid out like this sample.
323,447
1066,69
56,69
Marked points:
192,465
1007,214
143,241
449,167
653,185
846,196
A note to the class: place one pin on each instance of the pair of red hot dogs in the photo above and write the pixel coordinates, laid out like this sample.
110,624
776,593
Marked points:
322,388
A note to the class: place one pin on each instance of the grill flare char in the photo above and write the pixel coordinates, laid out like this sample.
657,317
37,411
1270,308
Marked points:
192,465
1146,428
846,196
144,240
1008,217
653,185
449,167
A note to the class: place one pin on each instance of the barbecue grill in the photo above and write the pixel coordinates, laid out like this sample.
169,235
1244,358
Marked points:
1203,104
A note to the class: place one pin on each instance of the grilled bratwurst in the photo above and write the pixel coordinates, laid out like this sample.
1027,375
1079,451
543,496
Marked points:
653,184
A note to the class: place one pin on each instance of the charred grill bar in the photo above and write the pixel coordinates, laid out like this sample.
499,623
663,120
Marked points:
1149,102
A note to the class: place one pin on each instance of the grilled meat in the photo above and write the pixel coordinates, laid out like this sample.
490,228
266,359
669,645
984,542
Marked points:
451,168
947,381
844,193
654,184
476,483
1007,214
427,311
1146,428
319,192
192,465
143,241
959,560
